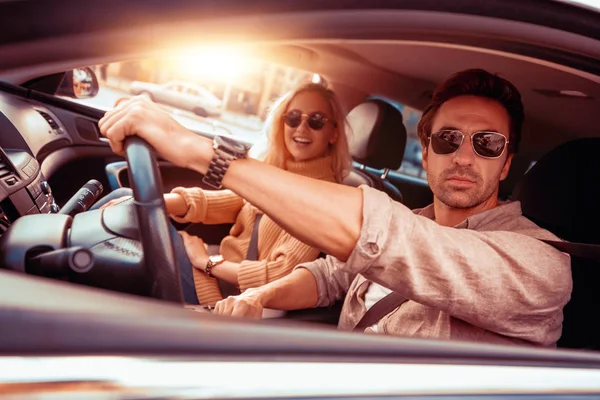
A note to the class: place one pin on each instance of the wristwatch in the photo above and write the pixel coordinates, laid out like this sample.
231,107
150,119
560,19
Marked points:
213,261
226,151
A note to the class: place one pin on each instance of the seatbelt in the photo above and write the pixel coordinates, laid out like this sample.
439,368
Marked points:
581,250
394,300
252,254
228,289
379,310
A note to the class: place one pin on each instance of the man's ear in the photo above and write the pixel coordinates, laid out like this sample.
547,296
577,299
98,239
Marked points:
424,158
506,167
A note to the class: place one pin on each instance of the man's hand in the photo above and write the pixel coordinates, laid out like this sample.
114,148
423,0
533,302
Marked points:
246,305
140,116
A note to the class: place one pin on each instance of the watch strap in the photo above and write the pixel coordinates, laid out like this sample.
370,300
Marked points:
216,169
208,268
225,151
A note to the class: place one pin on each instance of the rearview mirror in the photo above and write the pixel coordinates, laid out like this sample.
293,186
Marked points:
79,83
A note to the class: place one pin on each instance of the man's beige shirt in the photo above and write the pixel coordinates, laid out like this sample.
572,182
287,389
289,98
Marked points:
487,279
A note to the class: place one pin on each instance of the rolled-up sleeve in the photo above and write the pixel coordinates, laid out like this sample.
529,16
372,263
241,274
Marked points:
378,211
333,281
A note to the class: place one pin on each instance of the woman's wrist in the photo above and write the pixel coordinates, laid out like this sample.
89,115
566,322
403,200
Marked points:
175,204
200,264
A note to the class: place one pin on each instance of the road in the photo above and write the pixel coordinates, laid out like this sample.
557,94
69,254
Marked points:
245,128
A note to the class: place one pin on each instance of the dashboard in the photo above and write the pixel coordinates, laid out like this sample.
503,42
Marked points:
51,148
29,132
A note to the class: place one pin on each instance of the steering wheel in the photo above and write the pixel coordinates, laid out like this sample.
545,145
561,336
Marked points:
160,262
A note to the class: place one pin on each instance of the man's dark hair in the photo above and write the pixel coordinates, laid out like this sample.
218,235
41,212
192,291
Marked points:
476,82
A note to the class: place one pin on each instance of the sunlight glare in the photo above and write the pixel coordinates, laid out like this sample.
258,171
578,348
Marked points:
217,63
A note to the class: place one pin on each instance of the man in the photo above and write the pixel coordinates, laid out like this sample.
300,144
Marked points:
468,267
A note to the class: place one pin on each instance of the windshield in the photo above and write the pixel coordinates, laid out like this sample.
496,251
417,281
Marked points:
594,4
215,91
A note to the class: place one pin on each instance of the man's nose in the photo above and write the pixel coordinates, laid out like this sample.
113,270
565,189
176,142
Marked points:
465,154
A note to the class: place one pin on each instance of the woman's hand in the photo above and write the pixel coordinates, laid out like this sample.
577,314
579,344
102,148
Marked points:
174,203
195,249
114,202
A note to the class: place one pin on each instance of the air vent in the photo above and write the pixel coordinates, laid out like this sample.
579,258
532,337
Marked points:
53,124
4,222
87,129
5,167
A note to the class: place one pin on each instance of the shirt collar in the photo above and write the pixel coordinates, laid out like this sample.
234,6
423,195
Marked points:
512,208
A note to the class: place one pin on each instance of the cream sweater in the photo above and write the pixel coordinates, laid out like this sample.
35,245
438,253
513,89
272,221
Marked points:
278,251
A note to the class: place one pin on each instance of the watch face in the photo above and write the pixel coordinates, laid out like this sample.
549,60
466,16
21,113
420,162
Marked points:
232,144
216,259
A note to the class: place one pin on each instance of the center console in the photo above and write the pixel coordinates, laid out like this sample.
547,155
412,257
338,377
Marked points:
23,188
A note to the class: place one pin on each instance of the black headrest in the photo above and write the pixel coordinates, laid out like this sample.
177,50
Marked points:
561,192
378,134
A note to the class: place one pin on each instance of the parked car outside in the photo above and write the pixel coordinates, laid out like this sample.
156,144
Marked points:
184,95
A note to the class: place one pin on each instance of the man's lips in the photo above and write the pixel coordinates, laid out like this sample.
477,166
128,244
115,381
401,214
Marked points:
460,179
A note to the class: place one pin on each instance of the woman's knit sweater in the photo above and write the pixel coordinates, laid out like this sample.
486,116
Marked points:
278,251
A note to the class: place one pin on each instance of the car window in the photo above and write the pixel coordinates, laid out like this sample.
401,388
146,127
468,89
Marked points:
207,94
225,92
192,91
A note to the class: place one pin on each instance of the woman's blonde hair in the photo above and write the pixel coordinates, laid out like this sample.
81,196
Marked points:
277,154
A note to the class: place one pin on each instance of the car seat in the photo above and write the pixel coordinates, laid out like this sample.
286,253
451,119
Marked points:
561,193
377,140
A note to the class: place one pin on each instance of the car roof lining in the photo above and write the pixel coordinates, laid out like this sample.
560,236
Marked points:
534,57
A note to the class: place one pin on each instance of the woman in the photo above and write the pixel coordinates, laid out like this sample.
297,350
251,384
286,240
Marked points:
306,132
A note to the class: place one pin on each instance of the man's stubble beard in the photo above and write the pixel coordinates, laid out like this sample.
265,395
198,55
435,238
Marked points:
459,198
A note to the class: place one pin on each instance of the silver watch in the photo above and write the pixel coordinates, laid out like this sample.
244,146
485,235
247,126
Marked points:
226,151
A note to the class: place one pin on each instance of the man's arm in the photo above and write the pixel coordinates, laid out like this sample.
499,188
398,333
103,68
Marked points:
321,214
296,291
324,215
318,283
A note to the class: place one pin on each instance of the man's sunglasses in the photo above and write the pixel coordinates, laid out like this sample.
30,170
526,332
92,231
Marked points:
316,120
485,144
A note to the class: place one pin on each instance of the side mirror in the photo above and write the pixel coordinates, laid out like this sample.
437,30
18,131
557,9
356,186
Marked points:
79,83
